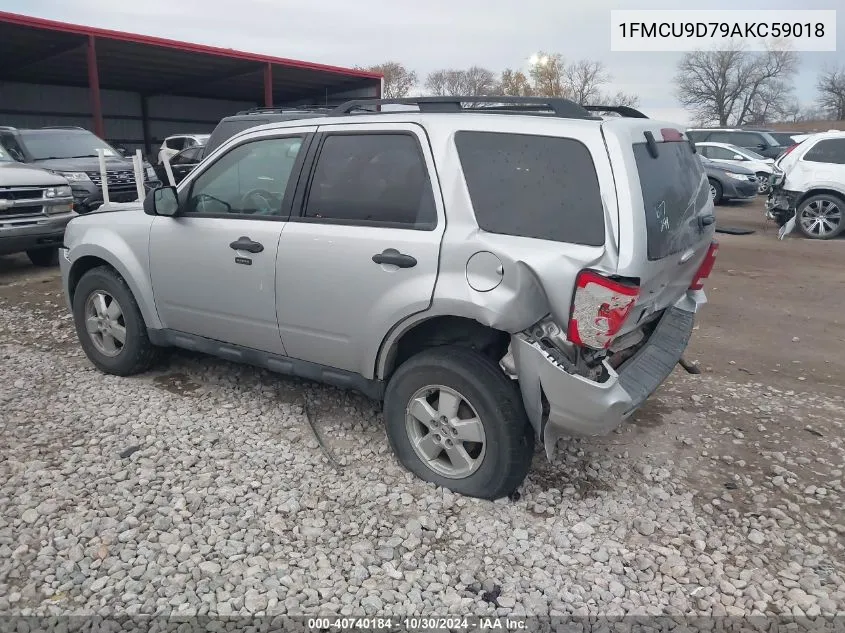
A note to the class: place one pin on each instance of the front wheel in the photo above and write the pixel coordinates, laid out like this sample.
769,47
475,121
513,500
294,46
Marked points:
453,418
109,324
763,183
819,217
715,191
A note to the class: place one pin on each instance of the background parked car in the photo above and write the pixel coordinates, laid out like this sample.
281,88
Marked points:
761,142
174,144
71,152
246,119
726,154
812,187
181,164
729,182
35,206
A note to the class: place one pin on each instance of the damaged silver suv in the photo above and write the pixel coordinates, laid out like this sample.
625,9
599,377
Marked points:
496,270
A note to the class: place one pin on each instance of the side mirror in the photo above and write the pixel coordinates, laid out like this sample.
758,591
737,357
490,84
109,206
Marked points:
162,201
763,146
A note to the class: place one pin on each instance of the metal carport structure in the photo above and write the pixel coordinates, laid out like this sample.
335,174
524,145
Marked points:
142,88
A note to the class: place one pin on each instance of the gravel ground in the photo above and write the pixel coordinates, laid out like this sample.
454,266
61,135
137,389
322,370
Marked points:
200,489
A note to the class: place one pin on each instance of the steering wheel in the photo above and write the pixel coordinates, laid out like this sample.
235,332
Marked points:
262,200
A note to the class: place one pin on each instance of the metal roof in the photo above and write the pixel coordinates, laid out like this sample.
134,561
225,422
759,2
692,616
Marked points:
49,52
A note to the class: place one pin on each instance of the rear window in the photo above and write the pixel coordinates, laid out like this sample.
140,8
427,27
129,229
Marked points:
674,189
532,186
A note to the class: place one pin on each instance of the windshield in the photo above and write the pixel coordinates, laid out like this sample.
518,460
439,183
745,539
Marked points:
46,144
771,140
748,153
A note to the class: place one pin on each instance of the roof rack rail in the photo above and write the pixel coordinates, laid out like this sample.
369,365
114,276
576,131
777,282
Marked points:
555,106
624,111
280,109
62,127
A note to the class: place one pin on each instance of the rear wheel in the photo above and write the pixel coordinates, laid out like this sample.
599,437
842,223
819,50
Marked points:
453,418
44,257
819,217
715,191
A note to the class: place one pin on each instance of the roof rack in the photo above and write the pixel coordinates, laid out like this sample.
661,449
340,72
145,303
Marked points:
554,106
624,111
282,109
62,127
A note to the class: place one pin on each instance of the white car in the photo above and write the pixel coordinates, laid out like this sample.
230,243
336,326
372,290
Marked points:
174,144
725,153
810,186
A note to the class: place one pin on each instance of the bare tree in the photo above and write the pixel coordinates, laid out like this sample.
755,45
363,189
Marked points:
582,81
831,87
621,99
446,82
731,86
514,83
547,75
474,81
398,80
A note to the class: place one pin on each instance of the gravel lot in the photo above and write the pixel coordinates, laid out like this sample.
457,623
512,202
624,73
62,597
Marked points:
199,488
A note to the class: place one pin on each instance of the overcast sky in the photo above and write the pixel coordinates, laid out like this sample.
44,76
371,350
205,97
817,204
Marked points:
492,33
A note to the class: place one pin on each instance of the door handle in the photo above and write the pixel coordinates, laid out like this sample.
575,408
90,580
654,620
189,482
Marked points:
392,256
243,243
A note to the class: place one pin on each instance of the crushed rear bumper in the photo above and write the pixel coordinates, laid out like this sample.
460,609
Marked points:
578,406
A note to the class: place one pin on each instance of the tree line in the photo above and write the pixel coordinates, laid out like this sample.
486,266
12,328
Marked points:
549,75
735,87
732,87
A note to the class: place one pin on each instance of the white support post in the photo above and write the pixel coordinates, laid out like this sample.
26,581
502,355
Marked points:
138,164
169,171
104,179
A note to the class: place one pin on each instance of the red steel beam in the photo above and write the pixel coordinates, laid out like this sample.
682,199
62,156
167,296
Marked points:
268,85
94,88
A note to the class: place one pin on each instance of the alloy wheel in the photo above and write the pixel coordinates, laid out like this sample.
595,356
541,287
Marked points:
105,323
820,217
445,431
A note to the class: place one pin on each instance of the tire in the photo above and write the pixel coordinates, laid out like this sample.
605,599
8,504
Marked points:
820,217
764,177
136,354
716,191
44,257
508,446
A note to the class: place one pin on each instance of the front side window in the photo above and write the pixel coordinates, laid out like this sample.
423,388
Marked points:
830,150
542,187
249,179
372,179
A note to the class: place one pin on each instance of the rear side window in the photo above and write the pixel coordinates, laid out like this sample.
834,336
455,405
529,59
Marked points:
372,179
674,189
830,150
541,187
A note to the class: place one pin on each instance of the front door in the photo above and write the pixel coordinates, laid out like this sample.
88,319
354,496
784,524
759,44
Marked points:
213,264
361,251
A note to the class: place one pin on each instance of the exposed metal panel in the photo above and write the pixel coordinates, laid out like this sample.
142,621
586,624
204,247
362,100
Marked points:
170,107
49,98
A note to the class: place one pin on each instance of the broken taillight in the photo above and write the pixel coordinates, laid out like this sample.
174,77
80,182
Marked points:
600,307
706,267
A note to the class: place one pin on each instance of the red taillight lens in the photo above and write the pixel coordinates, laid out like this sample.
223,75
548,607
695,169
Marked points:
789,149
600,307
706,267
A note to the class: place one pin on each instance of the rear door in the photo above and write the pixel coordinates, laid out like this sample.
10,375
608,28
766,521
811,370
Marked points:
363,252
666,214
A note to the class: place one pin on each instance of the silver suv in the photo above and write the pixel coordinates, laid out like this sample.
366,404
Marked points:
498,272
